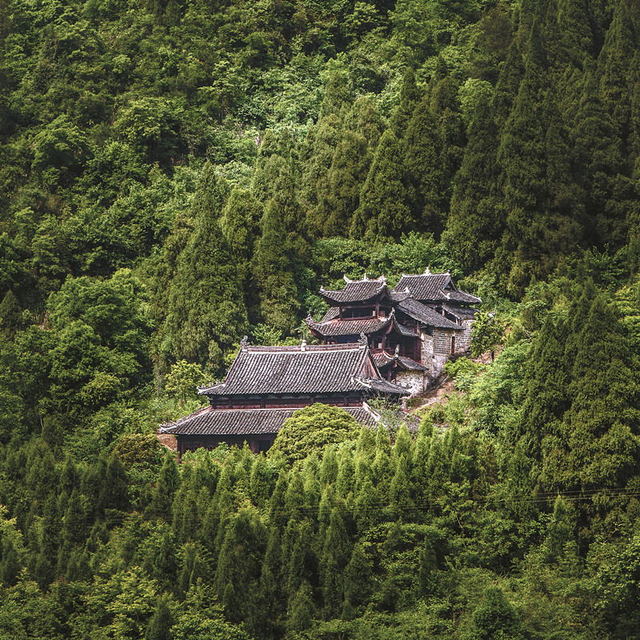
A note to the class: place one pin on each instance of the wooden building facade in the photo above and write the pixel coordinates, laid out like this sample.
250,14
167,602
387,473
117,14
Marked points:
418,324
266,384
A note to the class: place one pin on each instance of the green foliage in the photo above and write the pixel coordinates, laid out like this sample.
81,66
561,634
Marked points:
183,379
311,429
179,173
486,334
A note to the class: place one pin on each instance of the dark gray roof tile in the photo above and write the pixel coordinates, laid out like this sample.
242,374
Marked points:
426,286
219,422
350,327
426,315
355,291
296,369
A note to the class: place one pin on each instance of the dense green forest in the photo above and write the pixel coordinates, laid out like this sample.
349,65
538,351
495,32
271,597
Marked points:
175,174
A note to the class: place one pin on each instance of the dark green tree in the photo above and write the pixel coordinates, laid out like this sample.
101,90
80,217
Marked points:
205,314
383,211
159,627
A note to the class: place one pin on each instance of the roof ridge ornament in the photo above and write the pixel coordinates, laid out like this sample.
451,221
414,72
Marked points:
303,345
427,271
244,343
397,351
345,278
363,342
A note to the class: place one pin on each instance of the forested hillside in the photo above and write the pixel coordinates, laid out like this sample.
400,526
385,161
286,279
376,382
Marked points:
176,174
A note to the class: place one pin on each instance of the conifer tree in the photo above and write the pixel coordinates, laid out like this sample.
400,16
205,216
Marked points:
269,597
560,539
543,212
409,96
159,627
239,563
475,224
383,211
301,609
600,165
546,379
345,177
206,316
602,425
422,148
280,253
357,578
336,551
322,143
165,489
240,226
619,48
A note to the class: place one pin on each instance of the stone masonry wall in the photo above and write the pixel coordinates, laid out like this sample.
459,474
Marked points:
414,381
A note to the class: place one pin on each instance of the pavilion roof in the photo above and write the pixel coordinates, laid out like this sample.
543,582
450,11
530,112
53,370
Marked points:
303,369
426,315
433,287
210,421
355,291
384,359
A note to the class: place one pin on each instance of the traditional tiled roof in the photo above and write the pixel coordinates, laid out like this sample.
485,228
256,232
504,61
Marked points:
426,286
330,314
304,369
464,313
384,386
426,315
350,327
355,291
461,296
384,359
210,421
404,331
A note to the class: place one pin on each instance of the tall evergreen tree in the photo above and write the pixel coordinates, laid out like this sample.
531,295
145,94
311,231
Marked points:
383,211
475,222
422,148
281,252
159,627
205,314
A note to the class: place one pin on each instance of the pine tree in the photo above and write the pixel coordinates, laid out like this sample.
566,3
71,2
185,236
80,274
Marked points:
600,164
358,579
238,569
560,539
345,177
280,254
422,149
164,489
322,143
159,627
475,223
336,552
206,317
546,383
543,209
383,212
240,226
409,96
620,46
601,426
301,609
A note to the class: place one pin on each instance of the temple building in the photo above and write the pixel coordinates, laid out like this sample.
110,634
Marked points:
265,385
411,330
